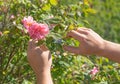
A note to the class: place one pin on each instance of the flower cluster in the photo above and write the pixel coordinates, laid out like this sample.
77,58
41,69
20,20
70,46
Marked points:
12,17
36,30
1,33
94,71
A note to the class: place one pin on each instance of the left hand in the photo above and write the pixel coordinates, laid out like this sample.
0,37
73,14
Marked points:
39,57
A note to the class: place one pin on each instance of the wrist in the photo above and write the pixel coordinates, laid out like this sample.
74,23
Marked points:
42,71
101,49
44,77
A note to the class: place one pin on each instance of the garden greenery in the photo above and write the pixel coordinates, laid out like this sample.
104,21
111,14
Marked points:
61,16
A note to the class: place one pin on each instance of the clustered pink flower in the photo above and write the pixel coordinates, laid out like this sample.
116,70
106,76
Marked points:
94,71
12,17
28,21
1,33
36,30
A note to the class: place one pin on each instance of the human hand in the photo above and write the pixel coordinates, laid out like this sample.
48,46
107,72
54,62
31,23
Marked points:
90,42
39,57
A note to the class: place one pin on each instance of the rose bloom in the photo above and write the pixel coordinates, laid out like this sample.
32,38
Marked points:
94,71
38,31
28,21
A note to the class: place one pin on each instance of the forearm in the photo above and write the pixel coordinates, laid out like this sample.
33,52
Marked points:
44,78
111,51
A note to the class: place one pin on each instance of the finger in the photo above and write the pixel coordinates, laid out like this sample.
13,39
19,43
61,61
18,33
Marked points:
84,28
38,50
44,47
71,49
32,44
82,31
76,35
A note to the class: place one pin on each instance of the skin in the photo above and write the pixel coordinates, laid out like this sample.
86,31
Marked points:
40,60
92,43
39,57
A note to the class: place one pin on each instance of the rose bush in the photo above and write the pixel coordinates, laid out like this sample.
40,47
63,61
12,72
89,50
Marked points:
60,16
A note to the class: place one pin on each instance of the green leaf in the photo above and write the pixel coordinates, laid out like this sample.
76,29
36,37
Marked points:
46,7
19,26
54,2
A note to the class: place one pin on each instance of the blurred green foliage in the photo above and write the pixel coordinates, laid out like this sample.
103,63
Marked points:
100,15
106,21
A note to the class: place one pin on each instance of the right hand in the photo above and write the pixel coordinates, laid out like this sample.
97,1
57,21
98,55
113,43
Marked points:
90,42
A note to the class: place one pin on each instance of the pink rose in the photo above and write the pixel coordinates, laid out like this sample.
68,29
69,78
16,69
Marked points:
28,21
94,71
38,31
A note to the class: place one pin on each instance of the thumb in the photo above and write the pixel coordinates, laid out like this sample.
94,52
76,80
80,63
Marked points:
44,47
32,44
71,49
